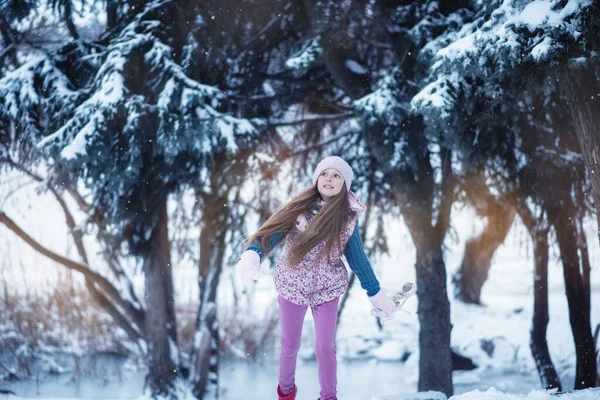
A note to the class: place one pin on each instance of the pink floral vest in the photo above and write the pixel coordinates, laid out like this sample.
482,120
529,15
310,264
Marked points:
313,280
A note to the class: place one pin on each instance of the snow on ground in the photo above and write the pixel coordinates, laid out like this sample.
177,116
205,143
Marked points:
493,394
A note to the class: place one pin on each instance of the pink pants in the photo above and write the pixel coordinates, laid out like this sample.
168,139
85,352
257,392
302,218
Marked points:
291,317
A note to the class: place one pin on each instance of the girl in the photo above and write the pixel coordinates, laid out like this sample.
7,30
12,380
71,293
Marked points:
319,226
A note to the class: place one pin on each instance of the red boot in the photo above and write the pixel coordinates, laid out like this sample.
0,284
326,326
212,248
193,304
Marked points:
289,396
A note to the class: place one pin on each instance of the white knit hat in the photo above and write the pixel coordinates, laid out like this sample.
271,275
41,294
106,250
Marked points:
336,163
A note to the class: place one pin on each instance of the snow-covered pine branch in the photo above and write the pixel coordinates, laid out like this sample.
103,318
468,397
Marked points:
307,56
35,93
134,75
493,45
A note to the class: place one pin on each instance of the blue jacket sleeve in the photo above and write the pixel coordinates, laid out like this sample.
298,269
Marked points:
274,241
360,265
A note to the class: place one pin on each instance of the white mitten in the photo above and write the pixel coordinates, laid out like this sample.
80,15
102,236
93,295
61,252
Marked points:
248,266
376,312
383,307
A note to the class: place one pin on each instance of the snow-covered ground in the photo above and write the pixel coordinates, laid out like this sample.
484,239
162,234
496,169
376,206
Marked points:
369,358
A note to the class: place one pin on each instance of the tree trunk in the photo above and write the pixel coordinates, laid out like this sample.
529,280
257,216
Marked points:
435,362
414,190
479,251
112,7
9,38
538,341
581,89
68,16
596,345
161,334
577,288
205,356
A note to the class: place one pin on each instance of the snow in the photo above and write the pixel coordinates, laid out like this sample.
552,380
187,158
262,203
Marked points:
494,394
268,89
17,88
535,14
431,95
85,120
436,95
355,67
165,95
495,45
381,103
539,13
78,144
540,51
307,56
173,351
413,396
458,48
89,115
231,126
390,350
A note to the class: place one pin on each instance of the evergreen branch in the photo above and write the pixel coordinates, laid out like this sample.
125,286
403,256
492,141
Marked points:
245,46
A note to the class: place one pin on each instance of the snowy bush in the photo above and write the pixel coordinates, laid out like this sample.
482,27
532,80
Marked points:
247,334
49,331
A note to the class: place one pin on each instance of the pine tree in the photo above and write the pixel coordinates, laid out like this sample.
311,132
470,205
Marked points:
124,116
485,88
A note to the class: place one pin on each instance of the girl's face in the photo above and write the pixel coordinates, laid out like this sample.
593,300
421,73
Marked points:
330,183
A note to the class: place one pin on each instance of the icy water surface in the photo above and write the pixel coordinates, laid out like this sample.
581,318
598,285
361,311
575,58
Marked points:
357,380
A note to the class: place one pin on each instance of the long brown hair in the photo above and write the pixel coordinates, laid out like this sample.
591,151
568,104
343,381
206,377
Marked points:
327,225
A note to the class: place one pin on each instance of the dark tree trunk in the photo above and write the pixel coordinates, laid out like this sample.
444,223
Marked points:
161,334
205,358
581,89
597,346
111,14
538,341
577,286
68,15
9,50
435,361
414,189
479,251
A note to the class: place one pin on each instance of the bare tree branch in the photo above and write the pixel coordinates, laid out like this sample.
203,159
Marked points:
313,118
321,144
78,199
77,237
137,315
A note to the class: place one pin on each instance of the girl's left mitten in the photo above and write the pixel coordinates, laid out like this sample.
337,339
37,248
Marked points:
382,306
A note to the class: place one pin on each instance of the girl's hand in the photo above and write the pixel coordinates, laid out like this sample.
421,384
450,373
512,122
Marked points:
248,266
383,307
